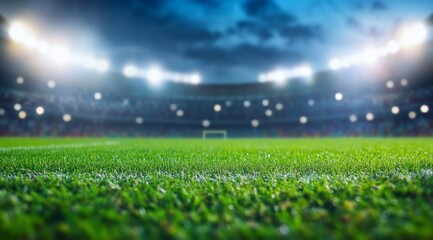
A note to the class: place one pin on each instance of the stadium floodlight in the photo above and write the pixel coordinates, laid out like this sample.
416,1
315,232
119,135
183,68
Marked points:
102,65
390,84
335,64
206,123
173,107
255,123
265,102
217,108
303,120
180,113
412,115
18,32
268,113
44,47
369,116
195,78
20,80
413,34
22,114
17,106
139,120
67,117
424,109
154,75
247,103
279,106
31,42
404,82
280,76
130,71
51,84
353,118
370,56
395,110
2,111
40,110
338,96
311,102
97,96
60,54
393,47
305,71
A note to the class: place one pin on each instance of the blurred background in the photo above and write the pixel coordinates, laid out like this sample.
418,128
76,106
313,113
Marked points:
247,68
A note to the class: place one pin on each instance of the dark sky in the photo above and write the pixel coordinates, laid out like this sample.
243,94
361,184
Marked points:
226,40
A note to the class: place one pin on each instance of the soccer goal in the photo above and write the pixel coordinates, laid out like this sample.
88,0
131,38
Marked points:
214,134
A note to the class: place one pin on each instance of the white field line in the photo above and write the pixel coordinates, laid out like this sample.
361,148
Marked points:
225,178
60,146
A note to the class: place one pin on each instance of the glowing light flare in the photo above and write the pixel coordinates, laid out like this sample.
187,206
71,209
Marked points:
130,71
180,113
22,114
370,55
195,78
255,123
217,108
393,47
18,32
247,103
44,47
303,120
102,65
97,96
139,120
268,113
88,62
395,110
67,117
280,76
412,114
60,54
20,80
335,64
17,106
40,110
413,34
369,117
424,109
155,75
206,123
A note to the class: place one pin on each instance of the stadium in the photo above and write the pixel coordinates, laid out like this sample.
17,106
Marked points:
100,148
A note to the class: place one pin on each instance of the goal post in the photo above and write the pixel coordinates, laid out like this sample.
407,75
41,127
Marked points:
214,134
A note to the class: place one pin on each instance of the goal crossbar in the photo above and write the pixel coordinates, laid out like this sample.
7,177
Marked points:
214,132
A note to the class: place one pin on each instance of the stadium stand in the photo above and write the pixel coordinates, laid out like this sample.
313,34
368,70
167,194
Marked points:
392,101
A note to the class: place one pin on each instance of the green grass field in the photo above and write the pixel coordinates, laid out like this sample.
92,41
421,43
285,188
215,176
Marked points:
188,189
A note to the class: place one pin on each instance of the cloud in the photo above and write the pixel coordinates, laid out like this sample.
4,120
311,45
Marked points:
355,24
301,33
243,55
270,18
430,20
378,5
251,28
267,10
207,3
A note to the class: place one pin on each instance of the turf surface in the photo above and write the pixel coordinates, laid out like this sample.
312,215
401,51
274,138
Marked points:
184,189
